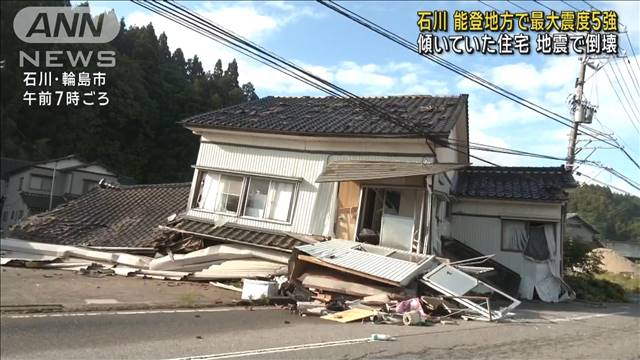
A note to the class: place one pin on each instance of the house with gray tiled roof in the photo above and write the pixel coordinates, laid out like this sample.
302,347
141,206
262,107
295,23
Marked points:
324,167
34,187
107,216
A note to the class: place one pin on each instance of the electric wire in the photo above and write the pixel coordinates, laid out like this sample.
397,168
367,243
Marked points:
181,20
185,15
405,43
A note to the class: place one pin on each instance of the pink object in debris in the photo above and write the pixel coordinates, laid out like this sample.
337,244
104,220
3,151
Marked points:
410,305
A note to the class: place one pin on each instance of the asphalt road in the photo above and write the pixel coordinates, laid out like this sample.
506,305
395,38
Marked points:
541,331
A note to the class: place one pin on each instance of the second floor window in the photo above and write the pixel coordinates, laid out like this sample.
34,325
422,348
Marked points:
247,196
38,182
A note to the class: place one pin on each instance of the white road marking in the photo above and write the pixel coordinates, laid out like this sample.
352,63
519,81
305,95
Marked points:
101,301
275,350
566,319
132,312
585,317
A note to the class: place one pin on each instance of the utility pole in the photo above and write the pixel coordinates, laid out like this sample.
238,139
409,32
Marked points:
581,109
578,116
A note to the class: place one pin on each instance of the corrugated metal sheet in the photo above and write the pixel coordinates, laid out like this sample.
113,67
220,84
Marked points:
358,257
350,170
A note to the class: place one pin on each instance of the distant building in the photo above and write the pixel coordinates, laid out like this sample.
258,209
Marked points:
579,229
31,188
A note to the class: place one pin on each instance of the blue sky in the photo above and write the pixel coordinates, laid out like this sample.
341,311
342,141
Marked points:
365,63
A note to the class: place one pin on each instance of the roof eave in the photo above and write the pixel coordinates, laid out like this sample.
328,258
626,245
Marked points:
200,127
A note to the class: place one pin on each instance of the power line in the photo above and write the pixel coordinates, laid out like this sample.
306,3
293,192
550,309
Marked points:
516,5
450,66
569,5
459,70
626,33
543,5
632,104
601,182
615,91
634,78
185,17
487,5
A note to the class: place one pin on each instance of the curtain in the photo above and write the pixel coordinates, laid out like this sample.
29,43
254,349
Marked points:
538,248
280,200
209,193
544,276
514,235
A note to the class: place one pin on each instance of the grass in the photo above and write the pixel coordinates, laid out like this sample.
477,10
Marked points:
595,289
629,283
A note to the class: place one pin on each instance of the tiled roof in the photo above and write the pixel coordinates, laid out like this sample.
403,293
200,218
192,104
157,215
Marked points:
516,183
330,116
240,233
128,216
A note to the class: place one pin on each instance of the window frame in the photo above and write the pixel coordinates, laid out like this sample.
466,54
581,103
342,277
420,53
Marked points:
42,177
527,225
244,194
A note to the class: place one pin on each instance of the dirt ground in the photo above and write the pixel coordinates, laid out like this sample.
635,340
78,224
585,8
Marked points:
21,287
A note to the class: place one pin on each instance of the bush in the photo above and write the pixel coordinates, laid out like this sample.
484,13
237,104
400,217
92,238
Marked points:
590,288
578,257
630,282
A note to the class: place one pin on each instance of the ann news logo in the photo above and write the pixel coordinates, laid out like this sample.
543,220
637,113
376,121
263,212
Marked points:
54,24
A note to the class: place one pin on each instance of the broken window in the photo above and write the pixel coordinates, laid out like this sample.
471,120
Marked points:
527,237
537,247
250,196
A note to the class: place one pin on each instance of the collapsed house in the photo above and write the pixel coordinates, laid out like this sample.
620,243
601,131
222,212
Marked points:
107,216
344,202
312,168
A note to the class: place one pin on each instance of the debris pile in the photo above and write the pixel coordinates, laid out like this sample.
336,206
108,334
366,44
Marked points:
347,281
338,280
213,263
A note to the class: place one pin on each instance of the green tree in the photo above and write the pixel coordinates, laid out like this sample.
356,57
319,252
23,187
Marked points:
137,134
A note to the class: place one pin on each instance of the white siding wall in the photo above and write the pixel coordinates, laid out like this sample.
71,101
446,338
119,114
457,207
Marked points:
315,202
484,233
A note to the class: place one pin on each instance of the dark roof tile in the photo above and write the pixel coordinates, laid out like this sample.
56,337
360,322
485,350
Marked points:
331,116
128,216
239,233
516,183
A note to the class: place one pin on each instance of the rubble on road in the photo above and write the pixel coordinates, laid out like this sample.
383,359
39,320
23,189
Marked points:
390,286
338,280
216,262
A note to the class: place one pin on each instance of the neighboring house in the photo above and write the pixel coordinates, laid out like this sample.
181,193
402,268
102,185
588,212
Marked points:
126,216
322,167
579,229
515,213
8,165
41,186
